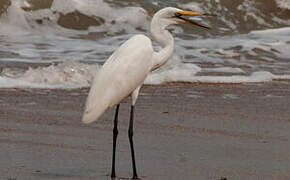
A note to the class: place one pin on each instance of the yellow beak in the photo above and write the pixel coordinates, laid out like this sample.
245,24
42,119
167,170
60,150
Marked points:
191,13
180,15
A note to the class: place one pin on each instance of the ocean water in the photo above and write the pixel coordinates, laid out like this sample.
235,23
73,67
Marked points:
62,43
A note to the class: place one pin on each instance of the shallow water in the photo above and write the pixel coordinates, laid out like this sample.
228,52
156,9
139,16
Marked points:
61,43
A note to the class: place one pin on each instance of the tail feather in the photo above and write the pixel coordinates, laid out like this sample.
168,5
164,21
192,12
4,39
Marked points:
91,115
97,102
96,105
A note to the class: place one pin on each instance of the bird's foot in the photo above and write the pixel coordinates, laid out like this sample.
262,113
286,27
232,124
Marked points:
135,177
113,176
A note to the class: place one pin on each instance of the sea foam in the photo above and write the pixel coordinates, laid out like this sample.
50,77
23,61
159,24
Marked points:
72,75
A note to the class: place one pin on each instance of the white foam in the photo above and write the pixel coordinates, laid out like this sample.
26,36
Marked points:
248,6
284,4
67,6
135,16
193,6
285,31
281,77
224,70
256,77
176,71
274,41
175,74
19,21
14,20
67,75
71,75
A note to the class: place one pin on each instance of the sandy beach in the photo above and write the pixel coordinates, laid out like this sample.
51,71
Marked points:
182,132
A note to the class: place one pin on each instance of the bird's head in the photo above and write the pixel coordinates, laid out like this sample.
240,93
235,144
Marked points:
170,15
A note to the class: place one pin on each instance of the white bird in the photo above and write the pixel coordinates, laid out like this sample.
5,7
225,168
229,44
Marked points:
124,72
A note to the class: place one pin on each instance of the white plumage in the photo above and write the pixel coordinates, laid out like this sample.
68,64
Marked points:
123,73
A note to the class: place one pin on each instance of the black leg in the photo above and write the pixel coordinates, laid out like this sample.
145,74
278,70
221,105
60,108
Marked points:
115,134
130,134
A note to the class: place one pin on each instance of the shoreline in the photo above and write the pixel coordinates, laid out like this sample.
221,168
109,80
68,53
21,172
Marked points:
182,131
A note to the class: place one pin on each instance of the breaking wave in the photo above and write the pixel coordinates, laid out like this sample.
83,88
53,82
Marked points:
62,43
71,75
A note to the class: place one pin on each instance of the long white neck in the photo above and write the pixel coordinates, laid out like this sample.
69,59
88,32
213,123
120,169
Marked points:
164,38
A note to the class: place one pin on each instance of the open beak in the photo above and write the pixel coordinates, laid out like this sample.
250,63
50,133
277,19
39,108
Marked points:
181,14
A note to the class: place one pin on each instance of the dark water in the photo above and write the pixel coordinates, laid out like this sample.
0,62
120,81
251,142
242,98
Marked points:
59,43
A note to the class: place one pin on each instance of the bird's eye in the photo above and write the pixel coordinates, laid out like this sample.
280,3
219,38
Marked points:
177,14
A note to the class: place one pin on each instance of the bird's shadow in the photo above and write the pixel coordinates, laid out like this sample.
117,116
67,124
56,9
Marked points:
124,178
67,173
74,173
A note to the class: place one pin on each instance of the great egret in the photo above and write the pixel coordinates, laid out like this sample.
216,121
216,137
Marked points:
124,72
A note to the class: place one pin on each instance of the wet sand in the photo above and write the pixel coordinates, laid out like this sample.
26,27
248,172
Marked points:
182,132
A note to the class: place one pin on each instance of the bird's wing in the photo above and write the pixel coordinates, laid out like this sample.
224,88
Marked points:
122,73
